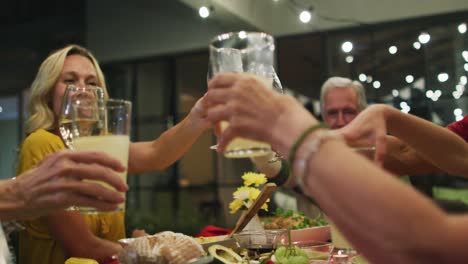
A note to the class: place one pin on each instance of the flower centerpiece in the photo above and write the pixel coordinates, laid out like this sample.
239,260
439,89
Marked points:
246,194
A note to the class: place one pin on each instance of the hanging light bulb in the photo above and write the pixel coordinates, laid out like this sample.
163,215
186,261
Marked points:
362,77
424,37
347,46
442,77
409,78
392,49
465,55
204,12
416,45
462,28
376,84
349,59
305,16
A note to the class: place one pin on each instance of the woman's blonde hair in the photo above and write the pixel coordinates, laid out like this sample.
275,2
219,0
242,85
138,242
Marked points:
40,111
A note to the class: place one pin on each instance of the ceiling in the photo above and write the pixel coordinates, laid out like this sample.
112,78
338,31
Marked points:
34,28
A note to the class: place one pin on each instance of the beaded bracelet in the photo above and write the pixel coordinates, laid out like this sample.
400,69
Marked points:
301,138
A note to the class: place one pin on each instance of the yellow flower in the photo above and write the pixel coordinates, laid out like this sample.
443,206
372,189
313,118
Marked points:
245,195
242,193
252,178
253,193
235,205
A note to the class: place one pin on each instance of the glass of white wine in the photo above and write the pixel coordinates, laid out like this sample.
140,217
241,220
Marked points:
244,53
104,128
75,94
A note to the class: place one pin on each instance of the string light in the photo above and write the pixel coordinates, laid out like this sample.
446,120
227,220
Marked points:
347,46
362,77
204,12
462,28
392,50
424,38
465,55
376,84
349,59
395,92
409,78
442,77
305,16
405,108
458,113
242,34
463,80
416,45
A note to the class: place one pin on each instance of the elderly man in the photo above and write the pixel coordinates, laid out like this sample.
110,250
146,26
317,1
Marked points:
341,100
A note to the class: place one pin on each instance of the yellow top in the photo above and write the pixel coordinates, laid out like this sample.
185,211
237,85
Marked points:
36,244
80,261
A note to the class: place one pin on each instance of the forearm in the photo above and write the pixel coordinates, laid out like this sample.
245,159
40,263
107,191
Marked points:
401,159
166,149
433,143
371,208
79,241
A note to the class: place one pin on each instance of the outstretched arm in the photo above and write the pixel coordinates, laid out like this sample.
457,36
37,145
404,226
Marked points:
170,146
401,159
426,143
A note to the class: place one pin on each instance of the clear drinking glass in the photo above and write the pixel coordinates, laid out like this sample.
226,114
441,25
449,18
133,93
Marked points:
104,128
75,95
244,53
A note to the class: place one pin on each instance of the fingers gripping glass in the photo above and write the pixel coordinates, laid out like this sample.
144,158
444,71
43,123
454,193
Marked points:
244,53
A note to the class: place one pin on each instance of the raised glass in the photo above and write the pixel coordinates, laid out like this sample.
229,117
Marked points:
244,53
76,95
104,128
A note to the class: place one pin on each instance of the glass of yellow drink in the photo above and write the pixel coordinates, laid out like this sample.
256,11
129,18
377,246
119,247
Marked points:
104,128
244,53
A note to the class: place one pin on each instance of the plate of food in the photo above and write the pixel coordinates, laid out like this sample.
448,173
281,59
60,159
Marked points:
302,227
161,248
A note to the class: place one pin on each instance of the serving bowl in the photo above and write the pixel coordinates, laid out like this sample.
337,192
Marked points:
319,234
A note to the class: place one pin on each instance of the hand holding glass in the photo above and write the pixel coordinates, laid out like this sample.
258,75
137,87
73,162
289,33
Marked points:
245,53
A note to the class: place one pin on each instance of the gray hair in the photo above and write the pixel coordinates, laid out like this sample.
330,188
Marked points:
340,82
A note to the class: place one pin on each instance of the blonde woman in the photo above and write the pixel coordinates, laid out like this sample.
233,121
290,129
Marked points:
59,235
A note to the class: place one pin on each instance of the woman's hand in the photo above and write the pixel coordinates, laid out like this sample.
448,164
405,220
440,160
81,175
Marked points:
369,129
198,114
58,182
